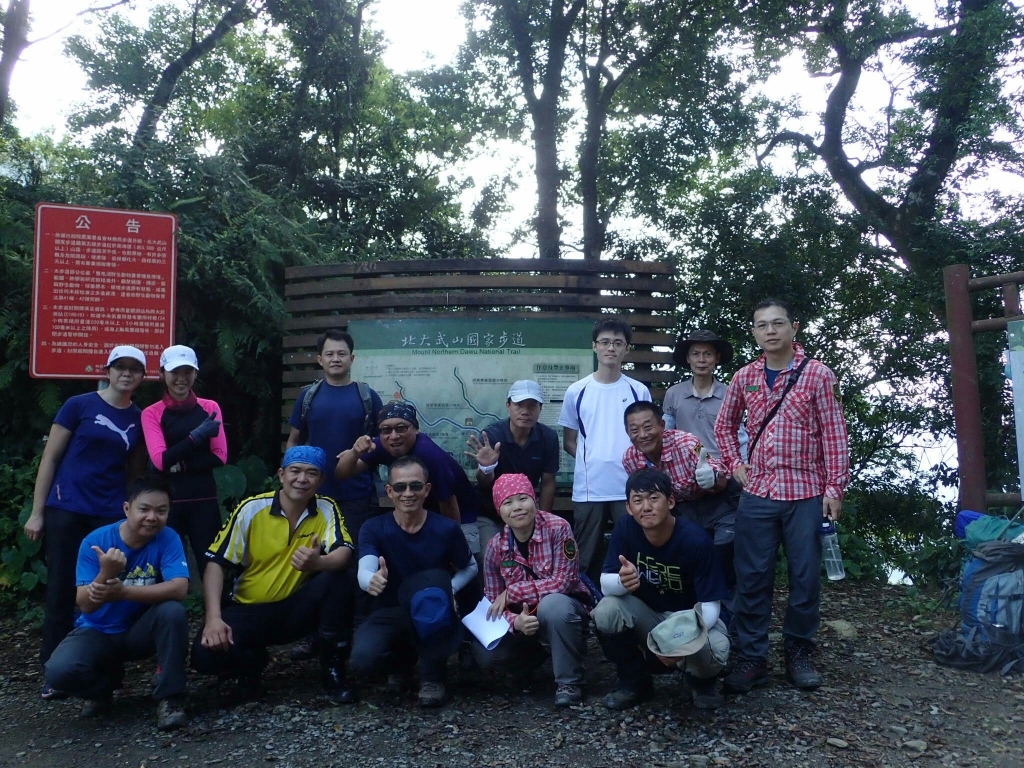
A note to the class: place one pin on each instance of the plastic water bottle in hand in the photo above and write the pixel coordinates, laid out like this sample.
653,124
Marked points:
830,550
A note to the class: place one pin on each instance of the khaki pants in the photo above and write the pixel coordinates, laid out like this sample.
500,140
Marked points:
622,613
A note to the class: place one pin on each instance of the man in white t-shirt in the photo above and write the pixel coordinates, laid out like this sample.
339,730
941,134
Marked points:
596,438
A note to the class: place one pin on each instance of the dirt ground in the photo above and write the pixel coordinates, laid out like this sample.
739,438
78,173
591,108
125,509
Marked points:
885,703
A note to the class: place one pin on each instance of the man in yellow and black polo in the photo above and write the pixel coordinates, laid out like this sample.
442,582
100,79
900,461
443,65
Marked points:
292,553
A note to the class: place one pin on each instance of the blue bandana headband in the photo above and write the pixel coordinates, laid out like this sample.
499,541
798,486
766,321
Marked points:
305,454
398,409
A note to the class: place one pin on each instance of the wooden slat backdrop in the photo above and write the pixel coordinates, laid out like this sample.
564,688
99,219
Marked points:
332,295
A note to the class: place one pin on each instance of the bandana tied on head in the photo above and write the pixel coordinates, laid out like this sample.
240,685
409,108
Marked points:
398,409
511,485
305,454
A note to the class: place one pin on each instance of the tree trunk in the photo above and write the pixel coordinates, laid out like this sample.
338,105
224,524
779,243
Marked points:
239,12
543,106
15,43
594,225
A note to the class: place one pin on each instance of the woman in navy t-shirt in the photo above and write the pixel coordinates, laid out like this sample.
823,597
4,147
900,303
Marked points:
81,481
186,443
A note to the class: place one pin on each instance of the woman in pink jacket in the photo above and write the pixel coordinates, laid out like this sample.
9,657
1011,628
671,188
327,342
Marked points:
186,442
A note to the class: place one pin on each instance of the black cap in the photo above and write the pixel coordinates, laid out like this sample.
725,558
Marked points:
702,336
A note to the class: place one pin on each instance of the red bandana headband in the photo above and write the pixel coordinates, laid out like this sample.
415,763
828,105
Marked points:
511,485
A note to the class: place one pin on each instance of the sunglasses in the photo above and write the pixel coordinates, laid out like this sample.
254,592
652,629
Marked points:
415,486
401,429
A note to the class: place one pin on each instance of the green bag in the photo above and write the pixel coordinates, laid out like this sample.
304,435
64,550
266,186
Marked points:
990,528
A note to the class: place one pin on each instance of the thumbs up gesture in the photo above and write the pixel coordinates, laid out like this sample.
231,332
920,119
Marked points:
705,473
307,558
526,623
379,580
629,576
112,562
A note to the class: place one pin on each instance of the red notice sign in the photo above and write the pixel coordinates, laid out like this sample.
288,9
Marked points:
102,277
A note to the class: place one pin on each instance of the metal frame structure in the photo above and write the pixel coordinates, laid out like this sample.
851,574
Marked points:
962,326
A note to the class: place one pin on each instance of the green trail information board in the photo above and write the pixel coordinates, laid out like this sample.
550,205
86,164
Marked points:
1015,331
457,372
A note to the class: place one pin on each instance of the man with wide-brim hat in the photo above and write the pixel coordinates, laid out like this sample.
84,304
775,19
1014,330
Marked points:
693,405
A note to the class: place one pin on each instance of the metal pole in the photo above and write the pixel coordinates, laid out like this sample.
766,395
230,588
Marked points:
966,402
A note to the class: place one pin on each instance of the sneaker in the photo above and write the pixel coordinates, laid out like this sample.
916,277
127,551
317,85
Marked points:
304,650
170,714
624,697
567,694
432,695
705,693
101,707
745,675
49,693
799,670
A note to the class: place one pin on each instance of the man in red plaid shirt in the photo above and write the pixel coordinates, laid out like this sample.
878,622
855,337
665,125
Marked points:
705,493
532,578
796,474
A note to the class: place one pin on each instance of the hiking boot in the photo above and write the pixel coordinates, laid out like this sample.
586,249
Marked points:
304,650
49,693
799,670
399,682
98,707
625,697
333,655
170,714
745,675
567,695
432,695
332,677
250,687
704,692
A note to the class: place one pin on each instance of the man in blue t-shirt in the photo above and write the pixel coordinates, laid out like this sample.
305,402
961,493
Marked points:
451,493
131,577
658,565
335,418
395,549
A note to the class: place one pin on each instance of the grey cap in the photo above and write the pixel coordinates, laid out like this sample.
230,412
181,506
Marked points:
526,390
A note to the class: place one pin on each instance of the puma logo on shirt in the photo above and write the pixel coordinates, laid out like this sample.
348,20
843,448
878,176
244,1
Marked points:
105,422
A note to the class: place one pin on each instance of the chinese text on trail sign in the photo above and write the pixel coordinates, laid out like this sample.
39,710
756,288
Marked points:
457,371
102,277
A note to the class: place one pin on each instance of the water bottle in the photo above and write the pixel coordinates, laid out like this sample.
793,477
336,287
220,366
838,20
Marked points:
830,549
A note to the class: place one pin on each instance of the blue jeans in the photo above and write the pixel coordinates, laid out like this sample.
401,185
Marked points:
761,524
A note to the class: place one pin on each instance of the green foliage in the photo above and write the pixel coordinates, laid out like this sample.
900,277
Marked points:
21,563
238,481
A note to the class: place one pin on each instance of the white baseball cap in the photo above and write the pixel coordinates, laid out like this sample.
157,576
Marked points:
123,351
177,356
526,390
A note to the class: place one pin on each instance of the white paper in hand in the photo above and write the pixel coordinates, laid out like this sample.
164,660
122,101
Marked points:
488,632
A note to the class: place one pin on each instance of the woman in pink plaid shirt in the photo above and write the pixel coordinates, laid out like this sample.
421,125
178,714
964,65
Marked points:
532,578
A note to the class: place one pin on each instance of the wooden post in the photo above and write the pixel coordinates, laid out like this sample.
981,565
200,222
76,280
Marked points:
964,375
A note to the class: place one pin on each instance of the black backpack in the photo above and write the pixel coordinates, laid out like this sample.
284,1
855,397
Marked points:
365,395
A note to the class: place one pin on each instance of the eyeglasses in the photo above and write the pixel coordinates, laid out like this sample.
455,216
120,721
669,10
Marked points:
401,429
775,325
615,343
134,370
415,486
